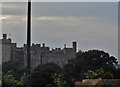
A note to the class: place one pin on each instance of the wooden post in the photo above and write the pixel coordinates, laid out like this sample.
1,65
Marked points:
29,44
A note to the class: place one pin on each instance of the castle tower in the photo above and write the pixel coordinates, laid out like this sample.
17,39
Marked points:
75,46
43,44
4,36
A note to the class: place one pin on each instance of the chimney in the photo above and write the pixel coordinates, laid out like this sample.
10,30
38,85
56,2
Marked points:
75,46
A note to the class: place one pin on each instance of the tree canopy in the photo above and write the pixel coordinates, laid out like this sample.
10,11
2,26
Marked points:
92,60
43,75
16,66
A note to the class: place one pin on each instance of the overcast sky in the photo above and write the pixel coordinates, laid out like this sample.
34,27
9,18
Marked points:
92,25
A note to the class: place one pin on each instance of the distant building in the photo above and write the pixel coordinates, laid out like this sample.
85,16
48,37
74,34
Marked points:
39,54
43,54
8,48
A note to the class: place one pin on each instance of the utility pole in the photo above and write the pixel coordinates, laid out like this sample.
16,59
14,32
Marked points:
29,44
118,31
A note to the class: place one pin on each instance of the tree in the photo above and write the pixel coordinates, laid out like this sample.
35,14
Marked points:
43,75
59,80
23,80
95,59
99,73
92,60
117,73
9,80
15,66
12,72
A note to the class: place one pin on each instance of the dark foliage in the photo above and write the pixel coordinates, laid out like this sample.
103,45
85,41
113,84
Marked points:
42,75
76,68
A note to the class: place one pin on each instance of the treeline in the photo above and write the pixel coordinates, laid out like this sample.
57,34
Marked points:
92,64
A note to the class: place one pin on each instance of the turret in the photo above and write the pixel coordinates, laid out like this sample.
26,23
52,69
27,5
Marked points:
75,46
43,44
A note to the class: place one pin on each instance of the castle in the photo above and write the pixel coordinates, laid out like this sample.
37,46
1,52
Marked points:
39,54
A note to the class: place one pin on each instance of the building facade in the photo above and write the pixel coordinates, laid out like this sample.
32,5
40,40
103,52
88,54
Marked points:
40,54
8,49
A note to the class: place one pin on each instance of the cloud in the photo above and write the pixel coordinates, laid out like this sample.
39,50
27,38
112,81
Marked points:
83,22
91,28
14,8
3,18
8,17
86,26
63,18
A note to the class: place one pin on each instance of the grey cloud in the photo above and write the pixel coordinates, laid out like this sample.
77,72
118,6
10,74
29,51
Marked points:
14,8
75,9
